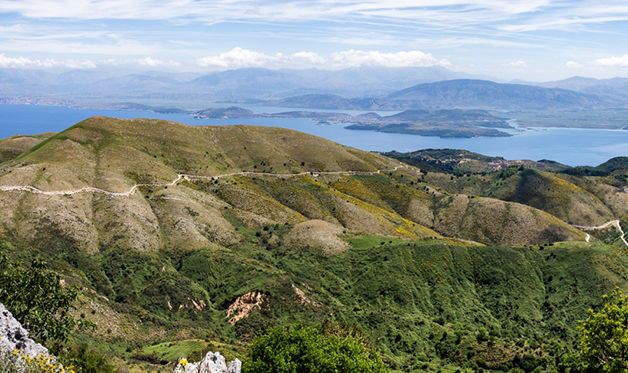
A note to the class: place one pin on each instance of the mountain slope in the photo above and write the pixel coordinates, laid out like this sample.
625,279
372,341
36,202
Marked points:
235,176
466,93
615,88
565,192
16,145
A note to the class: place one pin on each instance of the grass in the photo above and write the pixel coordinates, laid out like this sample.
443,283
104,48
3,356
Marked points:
172,351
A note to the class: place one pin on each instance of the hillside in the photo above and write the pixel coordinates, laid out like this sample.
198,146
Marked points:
466,93
112,156
16,145
188,238
460,161
568,193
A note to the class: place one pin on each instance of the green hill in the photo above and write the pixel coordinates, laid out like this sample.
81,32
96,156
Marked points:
236,229
557,189
14,146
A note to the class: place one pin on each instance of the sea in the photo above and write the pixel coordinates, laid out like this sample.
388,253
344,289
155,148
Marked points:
570,146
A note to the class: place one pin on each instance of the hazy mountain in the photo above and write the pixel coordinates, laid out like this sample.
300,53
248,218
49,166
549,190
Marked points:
230,85
615,88
466,93
460,93
329,101
363,88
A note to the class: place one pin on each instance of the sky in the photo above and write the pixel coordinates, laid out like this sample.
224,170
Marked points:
531,40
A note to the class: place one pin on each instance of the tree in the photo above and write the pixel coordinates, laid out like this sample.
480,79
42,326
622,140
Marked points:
35,297
308,350
603,337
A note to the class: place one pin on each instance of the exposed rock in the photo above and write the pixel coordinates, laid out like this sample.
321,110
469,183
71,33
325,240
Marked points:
16,345
213,362
14,337
244,305
302,297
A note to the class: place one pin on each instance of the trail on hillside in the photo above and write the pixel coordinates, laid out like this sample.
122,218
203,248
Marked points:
181,177
614,223
189,177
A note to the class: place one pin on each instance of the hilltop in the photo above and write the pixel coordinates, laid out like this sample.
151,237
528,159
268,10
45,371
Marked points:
186,238
16,145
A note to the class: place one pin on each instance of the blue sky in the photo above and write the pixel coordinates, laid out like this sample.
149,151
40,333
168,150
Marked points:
528,40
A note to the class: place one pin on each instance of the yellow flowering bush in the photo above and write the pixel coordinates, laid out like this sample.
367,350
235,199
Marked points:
183,361
19,362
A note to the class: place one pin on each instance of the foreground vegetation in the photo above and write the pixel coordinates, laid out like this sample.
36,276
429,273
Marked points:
422,305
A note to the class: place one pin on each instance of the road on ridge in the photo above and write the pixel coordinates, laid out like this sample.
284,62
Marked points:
181,177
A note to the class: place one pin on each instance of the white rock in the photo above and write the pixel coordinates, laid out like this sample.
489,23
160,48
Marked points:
213,362
14,337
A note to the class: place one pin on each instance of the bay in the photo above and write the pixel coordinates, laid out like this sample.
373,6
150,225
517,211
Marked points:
565,145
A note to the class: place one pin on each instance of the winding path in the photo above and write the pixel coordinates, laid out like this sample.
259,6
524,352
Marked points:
179,178
613,223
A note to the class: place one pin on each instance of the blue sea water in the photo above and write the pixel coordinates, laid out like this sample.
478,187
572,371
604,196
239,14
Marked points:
569,146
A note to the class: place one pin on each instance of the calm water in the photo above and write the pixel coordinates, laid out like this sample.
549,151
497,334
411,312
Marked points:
569,146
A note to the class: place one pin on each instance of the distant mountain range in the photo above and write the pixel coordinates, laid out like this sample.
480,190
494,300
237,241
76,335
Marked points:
237,84
461,93
363,88
614,88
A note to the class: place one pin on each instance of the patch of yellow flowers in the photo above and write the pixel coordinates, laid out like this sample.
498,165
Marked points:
183,361
41,363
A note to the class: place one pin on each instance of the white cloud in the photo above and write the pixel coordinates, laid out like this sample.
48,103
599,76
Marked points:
239,57
26,62
613,61
517,63
218,10
574,65
508,15
414,58
154,62
309,57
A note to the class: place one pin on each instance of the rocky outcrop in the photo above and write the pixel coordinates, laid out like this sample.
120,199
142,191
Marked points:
14,337
213,362
17,350
243,306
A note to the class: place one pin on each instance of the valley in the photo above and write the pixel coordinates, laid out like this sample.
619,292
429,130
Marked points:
169,229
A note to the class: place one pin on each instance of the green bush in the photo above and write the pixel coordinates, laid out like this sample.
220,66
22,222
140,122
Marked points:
306,349
603,337
36,298
88,360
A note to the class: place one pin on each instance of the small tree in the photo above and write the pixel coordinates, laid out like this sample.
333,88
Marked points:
35,297
308,350
603,340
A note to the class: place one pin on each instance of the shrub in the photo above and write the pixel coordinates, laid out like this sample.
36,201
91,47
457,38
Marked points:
307,349
603,337
36,298
88,359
